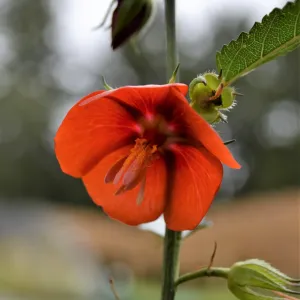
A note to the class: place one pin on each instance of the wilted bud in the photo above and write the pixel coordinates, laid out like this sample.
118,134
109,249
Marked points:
209,97
129,17
257,280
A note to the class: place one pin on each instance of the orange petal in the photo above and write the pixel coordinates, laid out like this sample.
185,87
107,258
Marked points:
200,130
197,178
124,207
146,99
90,132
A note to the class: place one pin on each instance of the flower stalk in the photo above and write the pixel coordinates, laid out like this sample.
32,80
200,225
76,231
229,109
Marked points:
172,55
172,238
205,272
170,263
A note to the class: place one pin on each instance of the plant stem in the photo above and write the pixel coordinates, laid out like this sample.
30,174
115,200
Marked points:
170,264
211,272
172,238
172,56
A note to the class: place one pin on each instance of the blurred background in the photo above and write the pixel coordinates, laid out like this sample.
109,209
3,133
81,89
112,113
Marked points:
54,242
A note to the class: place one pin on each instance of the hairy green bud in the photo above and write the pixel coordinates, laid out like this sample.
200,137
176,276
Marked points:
209,97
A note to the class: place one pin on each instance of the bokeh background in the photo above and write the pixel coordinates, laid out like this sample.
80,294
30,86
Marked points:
54,242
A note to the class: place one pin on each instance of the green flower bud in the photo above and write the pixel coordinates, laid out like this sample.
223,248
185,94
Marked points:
209,97
129,17
257,280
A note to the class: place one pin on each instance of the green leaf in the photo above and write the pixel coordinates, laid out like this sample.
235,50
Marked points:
277,34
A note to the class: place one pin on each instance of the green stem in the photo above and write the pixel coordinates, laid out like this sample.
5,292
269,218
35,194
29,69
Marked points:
170,264
172,56
212,272
172,238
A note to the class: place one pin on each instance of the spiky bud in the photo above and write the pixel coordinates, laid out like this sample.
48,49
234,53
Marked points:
210,98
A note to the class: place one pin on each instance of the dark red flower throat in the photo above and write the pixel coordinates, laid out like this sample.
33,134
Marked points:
130,170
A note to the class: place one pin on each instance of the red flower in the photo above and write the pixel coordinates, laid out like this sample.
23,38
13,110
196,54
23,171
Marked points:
142,151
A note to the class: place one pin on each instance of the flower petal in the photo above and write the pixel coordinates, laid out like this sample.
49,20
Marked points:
187,120
90,132
197,178
146,99
124,207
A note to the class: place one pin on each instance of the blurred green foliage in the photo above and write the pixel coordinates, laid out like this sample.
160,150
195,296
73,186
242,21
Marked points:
151,290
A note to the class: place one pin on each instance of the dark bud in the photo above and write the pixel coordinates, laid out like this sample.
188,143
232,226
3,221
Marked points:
129,17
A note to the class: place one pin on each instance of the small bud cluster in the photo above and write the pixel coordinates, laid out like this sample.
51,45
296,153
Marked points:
210,98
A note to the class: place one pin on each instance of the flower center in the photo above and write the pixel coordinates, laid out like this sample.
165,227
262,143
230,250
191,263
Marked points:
155,130
130,170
